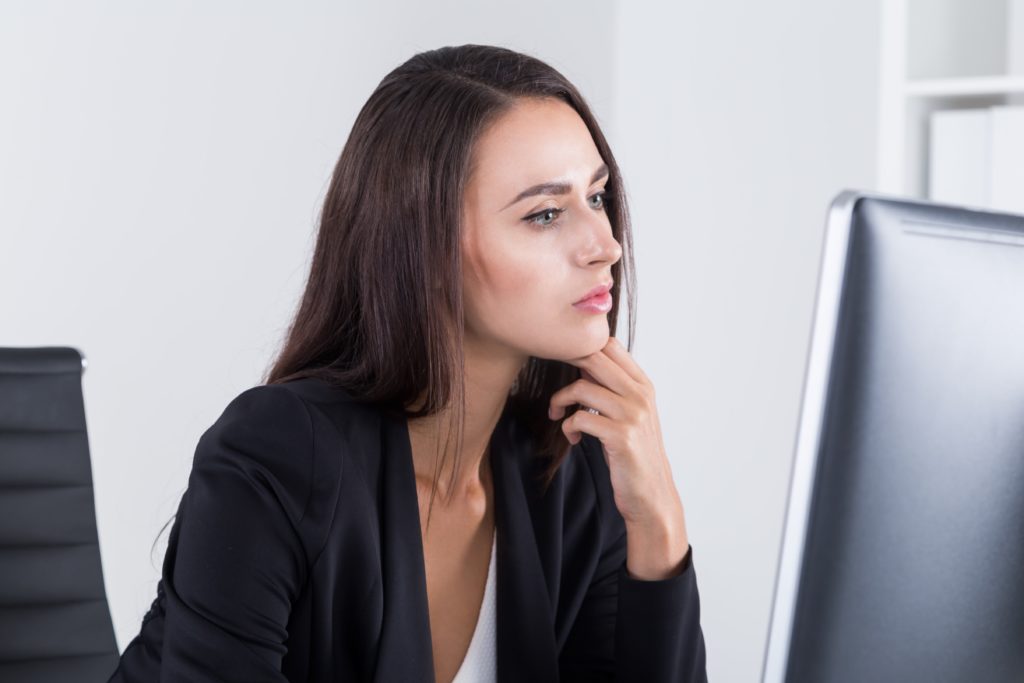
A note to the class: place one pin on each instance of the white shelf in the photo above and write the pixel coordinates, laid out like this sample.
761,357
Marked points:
930,51
965,87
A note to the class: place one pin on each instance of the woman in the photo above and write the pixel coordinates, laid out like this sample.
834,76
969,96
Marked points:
440,348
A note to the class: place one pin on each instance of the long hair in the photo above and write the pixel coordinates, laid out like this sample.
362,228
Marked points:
382,310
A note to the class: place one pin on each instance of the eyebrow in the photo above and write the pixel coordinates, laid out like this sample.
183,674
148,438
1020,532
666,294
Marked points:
555,187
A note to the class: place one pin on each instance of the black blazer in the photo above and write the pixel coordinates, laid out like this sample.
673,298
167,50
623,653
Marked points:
296,555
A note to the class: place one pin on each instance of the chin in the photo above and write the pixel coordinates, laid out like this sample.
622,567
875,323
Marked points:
590,343
601,344
576,341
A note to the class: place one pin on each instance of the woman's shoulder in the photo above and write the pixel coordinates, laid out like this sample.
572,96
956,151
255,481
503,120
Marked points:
282,425
283,441
264,434
289,409
264,407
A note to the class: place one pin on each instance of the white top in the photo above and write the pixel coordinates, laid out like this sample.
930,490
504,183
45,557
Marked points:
481,662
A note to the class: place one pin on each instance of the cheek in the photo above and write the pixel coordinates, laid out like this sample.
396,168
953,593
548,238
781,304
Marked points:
519,293
511,283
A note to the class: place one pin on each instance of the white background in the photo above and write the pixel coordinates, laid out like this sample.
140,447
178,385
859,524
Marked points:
162,167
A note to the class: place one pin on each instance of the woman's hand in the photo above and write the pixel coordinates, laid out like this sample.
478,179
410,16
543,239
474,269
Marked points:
630,434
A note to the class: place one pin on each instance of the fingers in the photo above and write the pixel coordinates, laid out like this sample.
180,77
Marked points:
581,421
587,393
614,368
610,382
618,353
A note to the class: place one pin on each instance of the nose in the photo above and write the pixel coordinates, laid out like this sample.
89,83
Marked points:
598,242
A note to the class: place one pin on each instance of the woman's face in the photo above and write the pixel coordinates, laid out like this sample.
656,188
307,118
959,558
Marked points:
527,259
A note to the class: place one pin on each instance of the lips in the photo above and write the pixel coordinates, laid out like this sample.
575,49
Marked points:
596,291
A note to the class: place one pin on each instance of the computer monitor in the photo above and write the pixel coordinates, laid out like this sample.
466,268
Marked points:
903,545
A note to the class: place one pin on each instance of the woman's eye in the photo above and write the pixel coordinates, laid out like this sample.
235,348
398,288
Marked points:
546,218
538,218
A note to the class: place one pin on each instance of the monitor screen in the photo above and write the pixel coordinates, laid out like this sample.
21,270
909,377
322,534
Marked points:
903,545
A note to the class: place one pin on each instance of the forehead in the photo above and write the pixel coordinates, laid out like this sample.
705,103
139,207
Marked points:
535,141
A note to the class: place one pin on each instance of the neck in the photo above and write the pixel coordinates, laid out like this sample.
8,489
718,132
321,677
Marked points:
488,382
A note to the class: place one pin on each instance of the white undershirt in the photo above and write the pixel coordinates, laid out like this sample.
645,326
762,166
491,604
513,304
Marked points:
481,662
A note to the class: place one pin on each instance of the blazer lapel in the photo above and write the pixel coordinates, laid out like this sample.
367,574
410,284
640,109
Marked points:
405,652
526,643
526,636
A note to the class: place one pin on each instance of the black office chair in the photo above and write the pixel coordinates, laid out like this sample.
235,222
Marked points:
55,623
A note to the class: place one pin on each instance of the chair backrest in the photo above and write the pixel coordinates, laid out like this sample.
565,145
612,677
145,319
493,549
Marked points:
55,622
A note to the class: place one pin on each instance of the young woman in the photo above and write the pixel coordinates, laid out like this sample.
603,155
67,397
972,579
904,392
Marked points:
460,308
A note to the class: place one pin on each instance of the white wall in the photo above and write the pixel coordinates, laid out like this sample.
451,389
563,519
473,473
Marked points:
738,123
162,169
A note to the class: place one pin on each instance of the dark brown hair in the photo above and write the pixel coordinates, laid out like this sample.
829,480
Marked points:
382,315
382,311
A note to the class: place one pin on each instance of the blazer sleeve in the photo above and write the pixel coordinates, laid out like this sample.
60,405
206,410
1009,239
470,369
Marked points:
235,560
630,629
